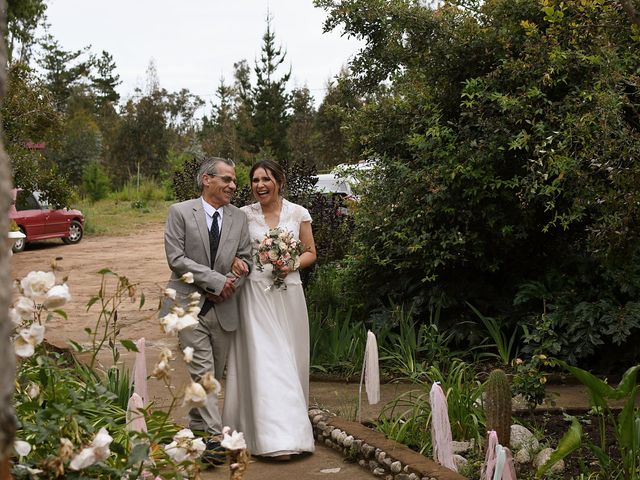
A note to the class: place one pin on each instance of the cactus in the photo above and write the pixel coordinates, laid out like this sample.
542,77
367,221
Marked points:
498,405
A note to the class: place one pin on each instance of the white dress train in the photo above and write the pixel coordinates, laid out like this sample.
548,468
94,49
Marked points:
267,387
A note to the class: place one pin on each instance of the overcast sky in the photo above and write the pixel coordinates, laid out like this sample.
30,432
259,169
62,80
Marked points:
196,42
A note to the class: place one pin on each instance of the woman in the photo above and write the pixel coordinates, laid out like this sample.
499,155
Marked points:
267,386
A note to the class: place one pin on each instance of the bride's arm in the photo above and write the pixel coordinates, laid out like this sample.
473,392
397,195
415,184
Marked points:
309,256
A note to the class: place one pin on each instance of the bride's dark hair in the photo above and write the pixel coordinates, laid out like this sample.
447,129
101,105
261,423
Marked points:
274,169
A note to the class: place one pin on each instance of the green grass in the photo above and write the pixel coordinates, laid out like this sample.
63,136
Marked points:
118,217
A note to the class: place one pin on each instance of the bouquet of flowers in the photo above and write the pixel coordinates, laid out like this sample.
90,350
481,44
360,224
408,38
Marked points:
280,249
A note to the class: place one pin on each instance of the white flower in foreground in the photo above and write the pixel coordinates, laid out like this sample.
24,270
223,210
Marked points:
170,293
25,307
194,395
57,296
22,448
98,451
194,296
187,277
65,450
187,321
188,354
162,369
235,441
184,446
15,317
169,324
210,384
36,285
26,340
179,311
33,391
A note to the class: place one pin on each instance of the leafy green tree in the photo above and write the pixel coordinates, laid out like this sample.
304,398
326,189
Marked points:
80,145
23,19
507,137
302,137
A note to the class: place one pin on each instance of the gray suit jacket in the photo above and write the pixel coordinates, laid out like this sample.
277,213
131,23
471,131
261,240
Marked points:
186,244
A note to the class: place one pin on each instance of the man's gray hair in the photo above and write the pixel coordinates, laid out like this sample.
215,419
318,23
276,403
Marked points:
209,166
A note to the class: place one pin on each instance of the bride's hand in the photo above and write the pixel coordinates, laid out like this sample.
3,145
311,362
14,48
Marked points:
239,268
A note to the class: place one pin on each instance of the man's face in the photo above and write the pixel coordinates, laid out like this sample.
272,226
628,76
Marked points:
219,188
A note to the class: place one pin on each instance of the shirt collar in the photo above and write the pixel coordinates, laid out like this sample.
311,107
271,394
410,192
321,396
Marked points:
210,209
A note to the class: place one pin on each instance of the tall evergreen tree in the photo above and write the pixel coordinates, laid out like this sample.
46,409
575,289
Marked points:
271,102
63,70
23,19
104,80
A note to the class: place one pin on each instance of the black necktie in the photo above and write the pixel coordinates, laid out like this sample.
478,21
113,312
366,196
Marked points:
214,238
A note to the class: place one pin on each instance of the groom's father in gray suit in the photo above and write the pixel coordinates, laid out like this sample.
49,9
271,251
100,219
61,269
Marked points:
203,236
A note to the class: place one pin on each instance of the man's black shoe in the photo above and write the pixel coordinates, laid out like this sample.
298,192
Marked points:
214,454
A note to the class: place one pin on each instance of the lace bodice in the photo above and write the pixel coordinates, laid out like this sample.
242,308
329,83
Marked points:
291,216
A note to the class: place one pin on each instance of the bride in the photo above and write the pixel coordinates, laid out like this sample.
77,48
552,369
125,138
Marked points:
267,385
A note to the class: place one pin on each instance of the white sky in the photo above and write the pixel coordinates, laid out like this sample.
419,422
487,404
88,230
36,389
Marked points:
196,42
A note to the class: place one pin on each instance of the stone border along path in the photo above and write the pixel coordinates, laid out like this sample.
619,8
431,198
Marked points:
385,458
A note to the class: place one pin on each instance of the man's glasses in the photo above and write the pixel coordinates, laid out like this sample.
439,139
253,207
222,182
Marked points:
225,178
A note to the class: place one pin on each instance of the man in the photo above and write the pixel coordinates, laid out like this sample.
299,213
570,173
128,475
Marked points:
203,236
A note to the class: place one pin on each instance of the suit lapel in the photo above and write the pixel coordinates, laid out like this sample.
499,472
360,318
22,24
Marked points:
227,221
199,216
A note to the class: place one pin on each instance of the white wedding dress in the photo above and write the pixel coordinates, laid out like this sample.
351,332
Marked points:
267,387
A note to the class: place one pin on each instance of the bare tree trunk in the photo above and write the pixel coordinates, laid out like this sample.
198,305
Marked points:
7,357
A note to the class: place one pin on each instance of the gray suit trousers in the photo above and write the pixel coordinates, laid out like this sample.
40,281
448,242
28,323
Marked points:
210,343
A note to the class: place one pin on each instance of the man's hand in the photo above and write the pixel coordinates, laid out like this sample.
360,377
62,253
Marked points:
228,289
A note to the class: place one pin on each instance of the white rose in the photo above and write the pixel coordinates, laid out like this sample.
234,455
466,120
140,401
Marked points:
194,395
186,321
33,391
169,323
22,448
25,307
14,316
188,354
57,296
187,277
235,441
210,384
36,285
170,293
26,340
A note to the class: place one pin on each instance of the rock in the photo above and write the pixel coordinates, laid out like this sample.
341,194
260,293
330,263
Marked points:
322,425
413,476
348,441
521,437
542,457
522,456
396,467
380,455
460,461
362,462
461,447
367,450
317,418
378,471
403,476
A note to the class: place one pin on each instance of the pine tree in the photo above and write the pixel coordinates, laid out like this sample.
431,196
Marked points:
270,101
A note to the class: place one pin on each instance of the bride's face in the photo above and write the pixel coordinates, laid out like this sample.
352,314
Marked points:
264,187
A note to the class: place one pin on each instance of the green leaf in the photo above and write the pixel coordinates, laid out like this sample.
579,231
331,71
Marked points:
628,381
77,347
91,301
626,422
129,345
568,443
142,299
106,271
62,313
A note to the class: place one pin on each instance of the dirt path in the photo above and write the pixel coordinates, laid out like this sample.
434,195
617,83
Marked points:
140,257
